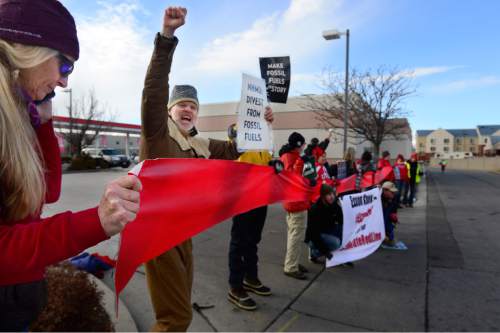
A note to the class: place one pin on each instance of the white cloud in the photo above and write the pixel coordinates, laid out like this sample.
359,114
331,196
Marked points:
116,48
295,32
461,85
425,71
114,53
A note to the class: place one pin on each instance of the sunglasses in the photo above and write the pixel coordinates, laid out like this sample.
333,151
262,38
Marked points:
66,66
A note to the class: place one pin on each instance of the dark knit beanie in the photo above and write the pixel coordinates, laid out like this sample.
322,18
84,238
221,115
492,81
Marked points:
296,140
44,23
325,190
183,93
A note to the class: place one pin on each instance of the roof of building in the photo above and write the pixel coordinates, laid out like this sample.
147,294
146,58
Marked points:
65,122
463,132
424,132
455,132
488,129
495,139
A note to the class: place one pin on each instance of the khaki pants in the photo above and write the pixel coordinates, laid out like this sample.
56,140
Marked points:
296,223
170,278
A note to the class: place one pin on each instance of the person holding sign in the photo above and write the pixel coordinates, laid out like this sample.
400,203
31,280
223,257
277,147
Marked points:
246,233
168,130
324,225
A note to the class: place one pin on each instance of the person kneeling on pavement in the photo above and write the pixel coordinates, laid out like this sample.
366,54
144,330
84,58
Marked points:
324,225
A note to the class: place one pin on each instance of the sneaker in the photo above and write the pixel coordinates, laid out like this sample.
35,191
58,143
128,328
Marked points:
317,260
348,264
393,245
256,287
302,269
240,298
296,275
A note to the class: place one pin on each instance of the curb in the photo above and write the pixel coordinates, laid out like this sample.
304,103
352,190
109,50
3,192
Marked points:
122,323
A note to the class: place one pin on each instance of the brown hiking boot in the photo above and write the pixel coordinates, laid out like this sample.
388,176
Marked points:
296,275
240,298
256,287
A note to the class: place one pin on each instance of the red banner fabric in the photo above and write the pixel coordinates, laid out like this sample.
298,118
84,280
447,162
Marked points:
183,197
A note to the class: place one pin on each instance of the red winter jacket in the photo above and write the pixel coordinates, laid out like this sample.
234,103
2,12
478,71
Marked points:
294,163
382,163
29,245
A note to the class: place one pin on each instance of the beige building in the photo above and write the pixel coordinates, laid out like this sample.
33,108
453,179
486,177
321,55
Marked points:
489,139
483,140
214,120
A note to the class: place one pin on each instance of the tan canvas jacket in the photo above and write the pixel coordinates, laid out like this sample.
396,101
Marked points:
160,136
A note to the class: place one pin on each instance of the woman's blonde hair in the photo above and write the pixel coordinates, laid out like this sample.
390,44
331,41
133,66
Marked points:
349,154
22,181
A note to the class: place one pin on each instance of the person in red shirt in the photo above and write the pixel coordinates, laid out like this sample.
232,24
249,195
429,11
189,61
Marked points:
401,178
296,212
385,161
38,48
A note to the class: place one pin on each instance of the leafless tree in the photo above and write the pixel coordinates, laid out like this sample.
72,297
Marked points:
376,107
81,129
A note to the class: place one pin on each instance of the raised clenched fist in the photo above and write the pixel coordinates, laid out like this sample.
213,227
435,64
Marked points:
173,18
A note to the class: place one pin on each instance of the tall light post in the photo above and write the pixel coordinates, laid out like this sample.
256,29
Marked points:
335,34
70,92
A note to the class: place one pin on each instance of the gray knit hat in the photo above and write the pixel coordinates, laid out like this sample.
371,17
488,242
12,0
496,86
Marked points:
183,93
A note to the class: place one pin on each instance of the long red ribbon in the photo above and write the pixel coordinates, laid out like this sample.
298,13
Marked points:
183,197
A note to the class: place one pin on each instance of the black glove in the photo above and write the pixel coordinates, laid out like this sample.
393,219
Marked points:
48,97
277,165
312,182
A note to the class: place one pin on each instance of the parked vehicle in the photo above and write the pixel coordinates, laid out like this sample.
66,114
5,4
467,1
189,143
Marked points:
107,157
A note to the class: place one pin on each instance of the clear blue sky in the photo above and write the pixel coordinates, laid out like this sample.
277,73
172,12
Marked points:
453,47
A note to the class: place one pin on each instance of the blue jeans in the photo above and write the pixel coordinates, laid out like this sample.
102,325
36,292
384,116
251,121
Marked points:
330,241
401,186
246,234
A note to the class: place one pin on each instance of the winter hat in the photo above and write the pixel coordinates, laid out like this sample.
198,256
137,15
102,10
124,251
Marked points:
183,93
390,186
325,190
232,132
44,23
296,140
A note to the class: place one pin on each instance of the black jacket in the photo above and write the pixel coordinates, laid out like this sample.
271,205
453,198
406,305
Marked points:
321,219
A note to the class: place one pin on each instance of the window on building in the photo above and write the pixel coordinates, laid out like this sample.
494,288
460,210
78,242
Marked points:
472,141
446,149
486,140
433,141
446,141
458,140
433,148
421,145
471,149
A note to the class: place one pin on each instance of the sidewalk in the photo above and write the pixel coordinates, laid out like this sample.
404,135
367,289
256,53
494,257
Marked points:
384,292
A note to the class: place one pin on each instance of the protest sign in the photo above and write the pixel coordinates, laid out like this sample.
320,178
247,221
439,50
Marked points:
276,72
363,229
254,133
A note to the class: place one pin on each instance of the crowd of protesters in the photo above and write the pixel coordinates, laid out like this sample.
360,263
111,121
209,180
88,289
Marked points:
38,49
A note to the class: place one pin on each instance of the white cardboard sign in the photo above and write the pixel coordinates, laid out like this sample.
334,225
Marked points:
254,132
363,229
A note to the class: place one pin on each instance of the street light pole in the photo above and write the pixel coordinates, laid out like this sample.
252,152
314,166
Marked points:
346,101
70,91
335,34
